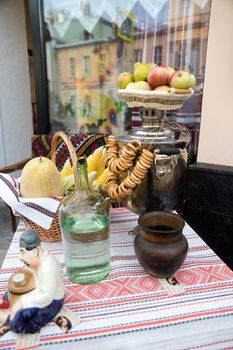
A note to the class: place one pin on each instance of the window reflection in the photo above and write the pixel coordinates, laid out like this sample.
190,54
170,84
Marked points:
91,42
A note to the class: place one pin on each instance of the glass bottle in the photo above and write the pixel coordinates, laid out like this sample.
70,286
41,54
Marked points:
84,220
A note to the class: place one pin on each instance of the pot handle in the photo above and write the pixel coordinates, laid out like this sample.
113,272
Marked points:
135,231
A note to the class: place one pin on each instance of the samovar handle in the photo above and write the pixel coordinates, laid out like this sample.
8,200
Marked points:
168,151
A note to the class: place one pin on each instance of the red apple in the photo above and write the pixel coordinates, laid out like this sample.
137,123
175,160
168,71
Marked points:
181,79
158,76
170,71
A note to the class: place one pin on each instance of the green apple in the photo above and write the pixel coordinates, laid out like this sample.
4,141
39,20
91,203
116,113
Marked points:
193,81
136,64
181,79
130,86
138,85
124,79
164,88
140,71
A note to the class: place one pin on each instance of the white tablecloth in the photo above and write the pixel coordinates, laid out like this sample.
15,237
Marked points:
131,310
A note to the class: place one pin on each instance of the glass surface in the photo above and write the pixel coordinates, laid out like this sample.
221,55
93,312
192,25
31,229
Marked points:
84,220
90,42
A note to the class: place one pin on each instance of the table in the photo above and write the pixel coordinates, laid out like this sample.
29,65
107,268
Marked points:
131,310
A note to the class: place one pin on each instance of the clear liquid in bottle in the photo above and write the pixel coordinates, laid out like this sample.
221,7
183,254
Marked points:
86,248
84,220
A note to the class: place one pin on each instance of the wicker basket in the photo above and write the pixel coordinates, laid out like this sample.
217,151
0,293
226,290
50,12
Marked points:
53,234
154,99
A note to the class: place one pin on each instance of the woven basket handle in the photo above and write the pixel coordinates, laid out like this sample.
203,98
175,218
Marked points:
65,138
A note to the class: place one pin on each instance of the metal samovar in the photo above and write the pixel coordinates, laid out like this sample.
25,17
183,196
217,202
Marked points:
163,187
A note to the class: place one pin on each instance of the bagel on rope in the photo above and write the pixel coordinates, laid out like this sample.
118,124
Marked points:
117,164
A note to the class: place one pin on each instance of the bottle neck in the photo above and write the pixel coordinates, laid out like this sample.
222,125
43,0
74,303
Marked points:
82,182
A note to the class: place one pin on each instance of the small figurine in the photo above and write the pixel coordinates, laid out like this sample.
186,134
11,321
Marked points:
36,292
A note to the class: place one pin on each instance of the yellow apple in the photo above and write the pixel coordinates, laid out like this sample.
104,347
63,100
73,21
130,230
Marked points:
124,79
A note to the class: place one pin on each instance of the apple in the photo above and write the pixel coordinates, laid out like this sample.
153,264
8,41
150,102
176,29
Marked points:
138,85
170,71
193,80
130,86
136,64
140,71
152,65
157,76
164,88
181,79
124,79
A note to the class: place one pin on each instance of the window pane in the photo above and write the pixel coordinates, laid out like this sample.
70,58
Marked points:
91,42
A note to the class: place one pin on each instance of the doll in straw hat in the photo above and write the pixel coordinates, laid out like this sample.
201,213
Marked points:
36,293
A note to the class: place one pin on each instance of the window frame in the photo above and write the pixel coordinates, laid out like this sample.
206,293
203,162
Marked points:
86,65
72,67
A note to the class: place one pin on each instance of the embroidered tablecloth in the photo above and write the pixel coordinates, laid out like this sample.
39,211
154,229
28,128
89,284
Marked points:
131,310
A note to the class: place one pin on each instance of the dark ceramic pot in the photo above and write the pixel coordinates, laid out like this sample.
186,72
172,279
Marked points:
159,244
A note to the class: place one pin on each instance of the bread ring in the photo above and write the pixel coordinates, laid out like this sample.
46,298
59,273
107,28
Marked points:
115,168
135,179
137,144
128,154
111,155
111,137
122,163
120,192
116,194
129,183
143,156
112,177
111,144
112,150
148,153
140,167
139,173
124,191
111,168
111,185
125,163
112,180
132,147
120,167
113,193
144,163
112,161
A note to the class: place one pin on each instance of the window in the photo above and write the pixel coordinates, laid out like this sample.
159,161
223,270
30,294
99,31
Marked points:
97,41
72,67
158,55
86,65
137,55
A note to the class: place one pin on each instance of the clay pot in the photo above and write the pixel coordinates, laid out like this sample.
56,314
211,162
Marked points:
159,244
